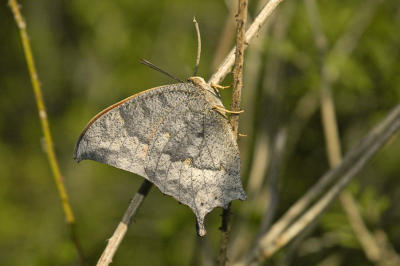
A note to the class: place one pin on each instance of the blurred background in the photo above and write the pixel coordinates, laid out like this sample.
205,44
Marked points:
87,54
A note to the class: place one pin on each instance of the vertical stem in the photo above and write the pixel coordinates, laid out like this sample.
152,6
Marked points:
51,155
332,139
234,118
238,68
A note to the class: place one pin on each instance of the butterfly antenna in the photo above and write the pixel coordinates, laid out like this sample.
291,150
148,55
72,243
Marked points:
196,67
151,65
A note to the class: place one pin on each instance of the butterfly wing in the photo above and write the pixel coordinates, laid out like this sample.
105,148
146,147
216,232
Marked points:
119,135
194,158
171,136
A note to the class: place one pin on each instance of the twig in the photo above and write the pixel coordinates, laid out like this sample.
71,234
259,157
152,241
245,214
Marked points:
196,67
390,257
280,141
227,64
122,228
371,248
51,155
238,70
297,208
276,127
241,18
226,37
332,140
321,205
346,171
348,40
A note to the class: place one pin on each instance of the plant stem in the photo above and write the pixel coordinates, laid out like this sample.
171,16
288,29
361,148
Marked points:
51,155
234,118
226,65
119,233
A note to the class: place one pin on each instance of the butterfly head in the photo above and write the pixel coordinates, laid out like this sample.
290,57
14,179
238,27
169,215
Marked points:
201,83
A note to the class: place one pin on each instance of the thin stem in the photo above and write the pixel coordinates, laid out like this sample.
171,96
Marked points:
238,70
234,118
296,209
51,155
354,160
315,211
332,139
254,28
278,151
119,233
225,231
227,35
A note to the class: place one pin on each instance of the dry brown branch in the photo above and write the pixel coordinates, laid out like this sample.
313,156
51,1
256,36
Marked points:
317,189
332,140
273,177
254,28
226,37
371,248
350,38
276,128
50,152
241,18
122,228
390,257
345,172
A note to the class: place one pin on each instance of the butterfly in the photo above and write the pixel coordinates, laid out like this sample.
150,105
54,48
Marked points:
177,137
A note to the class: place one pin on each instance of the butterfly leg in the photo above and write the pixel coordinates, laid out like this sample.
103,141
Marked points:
219,87
222,109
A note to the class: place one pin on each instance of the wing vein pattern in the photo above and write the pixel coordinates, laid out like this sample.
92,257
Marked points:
171,136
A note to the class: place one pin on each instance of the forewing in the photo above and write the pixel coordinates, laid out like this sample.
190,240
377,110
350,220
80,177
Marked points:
194,158
121,134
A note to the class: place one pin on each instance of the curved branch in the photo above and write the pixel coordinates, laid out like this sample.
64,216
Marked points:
254,28
119,233
285,229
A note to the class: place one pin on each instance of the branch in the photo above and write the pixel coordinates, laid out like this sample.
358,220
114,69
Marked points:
227,35
345,172
348,40
297,208
332,140
234,118
227,64
278,152
119,233
51,155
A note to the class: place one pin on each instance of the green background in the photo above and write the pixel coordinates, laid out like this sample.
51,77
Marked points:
87,54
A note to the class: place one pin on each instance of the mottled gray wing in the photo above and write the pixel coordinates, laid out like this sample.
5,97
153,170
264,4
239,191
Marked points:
171,136
120,134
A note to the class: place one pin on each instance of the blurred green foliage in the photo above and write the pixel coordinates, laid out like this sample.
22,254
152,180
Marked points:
87,56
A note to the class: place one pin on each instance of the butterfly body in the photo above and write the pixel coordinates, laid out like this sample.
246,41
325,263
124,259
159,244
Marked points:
172,136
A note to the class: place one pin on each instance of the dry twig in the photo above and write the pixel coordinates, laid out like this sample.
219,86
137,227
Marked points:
345,172
349,37
227,35
332,139
234,118
122,228
227,64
